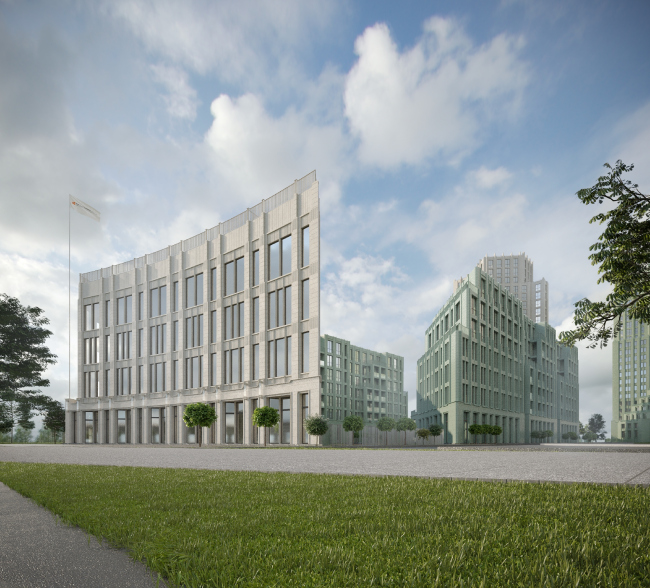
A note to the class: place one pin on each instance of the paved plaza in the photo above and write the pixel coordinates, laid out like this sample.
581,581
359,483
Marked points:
600,465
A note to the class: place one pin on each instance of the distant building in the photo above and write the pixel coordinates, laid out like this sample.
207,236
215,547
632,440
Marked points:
487,362
515,274
360,382
630,387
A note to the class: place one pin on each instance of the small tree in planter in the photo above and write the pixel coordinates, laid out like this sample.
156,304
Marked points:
266,417
386,424
199,415
316,425
475,430
405,424
548,434
423,434
435,430
353,424
495,431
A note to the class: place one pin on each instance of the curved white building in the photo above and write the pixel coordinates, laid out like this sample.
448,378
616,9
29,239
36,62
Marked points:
229,317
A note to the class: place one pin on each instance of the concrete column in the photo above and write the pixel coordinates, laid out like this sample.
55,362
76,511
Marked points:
80,433
134,425
220,409
146,425
69,426
294,418
182,437
248,427
169,424
101,427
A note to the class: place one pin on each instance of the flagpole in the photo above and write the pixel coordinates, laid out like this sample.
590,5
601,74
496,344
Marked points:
69,311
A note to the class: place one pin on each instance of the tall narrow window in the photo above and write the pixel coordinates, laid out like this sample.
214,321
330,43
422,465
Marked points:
305,352
213,326
108,348
175,374
96,315
271,359
213,283
256,362
280,307
234,276
140,305
256,268
286,255
305,246
175,336
256,315
305,299
175,294
140,383
107,314
194,290
239,274
274,260
129,316
213,369
107,380
273,310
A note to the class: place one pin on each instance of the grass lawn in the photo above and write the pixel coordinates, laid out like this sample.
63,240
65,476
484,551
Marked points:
212,528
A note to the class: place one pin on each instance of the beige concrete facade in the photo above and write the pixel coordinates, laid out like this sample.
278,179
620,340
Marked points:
133,362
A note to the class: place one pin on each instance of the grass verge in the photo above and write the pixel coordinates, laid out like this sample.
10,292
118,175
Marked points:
213,528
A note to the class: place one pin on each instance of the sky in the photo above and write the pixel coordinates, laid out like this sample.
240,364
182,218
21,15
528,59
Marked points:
441,132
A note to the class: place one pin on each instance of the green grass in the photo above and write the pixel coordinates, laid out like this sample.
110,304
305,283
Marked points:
211,528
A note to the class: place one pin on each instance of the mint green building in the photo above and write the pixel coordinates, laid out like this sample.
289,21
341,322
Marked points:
361,382
630,409
487,362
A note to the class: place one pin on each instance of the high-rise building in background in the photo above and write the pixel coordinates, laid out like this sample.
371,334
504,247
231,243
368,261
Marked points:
630,387
515,274
229,317
487,362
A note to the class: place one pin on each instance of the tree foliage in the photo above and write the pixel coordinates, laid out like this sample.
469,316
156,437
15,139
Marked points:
54,419
199,415
266,417
316,425
623,254
386,424
354,424
570,436
596,425
423,434
23,359
405,424
435,430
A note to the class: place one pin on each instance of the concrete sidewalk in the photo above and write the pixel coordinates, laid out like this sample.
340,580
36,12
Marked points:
600,467
36,551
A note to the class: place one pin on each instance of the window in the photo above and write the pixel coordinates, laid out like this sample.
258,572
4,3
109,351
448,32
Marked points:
91,350
123,345
213,369
234,321
193,368
123,381
256,268
213,326
175,297
279,358
107,382
124,310
91,384
193,331
213,283
280,258
338,352
256,362
194,290
107,313
234,276
175,336
158,338
329,350
305,352
305,246
123,426
305,300
91,312
175,374
280,307
233,364
157,379
305,414
256,315
107,348
140,383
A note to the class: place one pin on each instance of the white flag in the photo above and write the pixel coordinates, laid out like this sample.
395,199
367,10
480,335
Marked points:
83,208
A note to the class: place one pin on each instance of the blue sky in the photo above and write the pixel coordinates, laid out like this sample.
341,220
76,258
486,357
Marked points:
440,132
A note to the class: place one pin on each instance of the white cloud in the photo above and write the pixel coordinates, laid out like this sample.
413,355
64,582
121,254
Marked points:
489,178
253,152
430,100
181,100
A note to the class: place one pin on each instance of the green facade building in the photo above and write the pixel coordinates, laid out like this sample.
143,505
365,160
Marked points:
630,388
486,362
361,382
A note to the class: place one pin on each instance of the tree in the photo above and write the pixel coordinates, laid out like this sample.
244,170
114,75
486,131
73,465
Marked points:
54,419
423,434
266,417
495,431
570,436
23,359
386,424
475,429
435,430
623,252
353,424
22,435
590,436
596,424
199,415
316,425
405,424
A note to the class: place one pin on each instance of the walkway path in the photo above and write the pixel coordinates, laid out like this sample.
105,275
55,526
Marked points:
604,467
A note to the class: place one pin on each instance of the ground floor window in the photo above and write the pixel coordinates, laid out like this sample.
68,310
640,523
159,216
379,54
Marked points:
305,414
157,425
281,433
234,422
124,426
256,430
91,427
